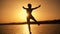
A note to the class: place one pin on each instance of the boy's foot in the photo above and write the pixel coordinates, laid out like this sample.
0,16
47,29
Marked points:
30,33
38,24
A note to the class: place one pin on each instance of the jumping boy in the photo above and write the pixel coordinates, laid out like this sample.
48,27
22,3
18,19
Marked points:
29,11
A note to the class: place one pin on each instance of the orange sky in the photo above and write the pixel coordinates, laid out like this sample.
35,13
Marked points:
12,11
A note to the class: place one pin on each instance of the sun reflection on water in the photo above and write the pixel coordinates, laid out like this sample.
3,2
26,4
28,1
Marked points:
25,27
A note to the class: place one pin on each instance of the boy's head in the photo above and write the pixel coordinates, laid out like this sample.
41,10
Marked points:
29,5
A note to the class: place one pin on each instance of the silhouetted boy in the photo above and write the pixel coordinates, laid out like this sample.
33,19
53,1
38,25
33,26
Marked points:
29,11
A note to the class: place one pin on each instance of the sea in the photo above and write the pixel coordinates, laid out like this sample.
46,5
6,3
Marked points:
35,29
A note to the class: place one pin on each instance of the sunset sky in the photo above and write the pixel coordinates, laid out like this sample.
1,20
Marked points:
12,11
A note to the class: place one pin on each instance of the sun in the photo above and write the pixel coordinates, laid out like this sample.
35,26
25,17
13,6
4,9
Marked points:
22,15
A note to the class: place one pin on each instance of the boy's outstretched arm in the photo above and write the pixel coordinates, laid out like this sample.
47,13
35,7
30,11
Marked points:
37,7
24,7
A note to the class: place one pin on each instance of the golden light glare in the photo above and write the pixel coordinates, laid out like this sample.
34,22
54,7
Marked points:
22,15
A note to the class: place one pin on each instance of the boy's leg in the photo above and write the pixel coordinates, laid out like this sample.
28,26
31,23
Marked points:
34,20
28,21
29,28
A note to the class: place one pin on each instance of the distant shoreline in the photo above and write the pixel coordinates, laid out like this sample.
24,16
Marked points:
39,22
